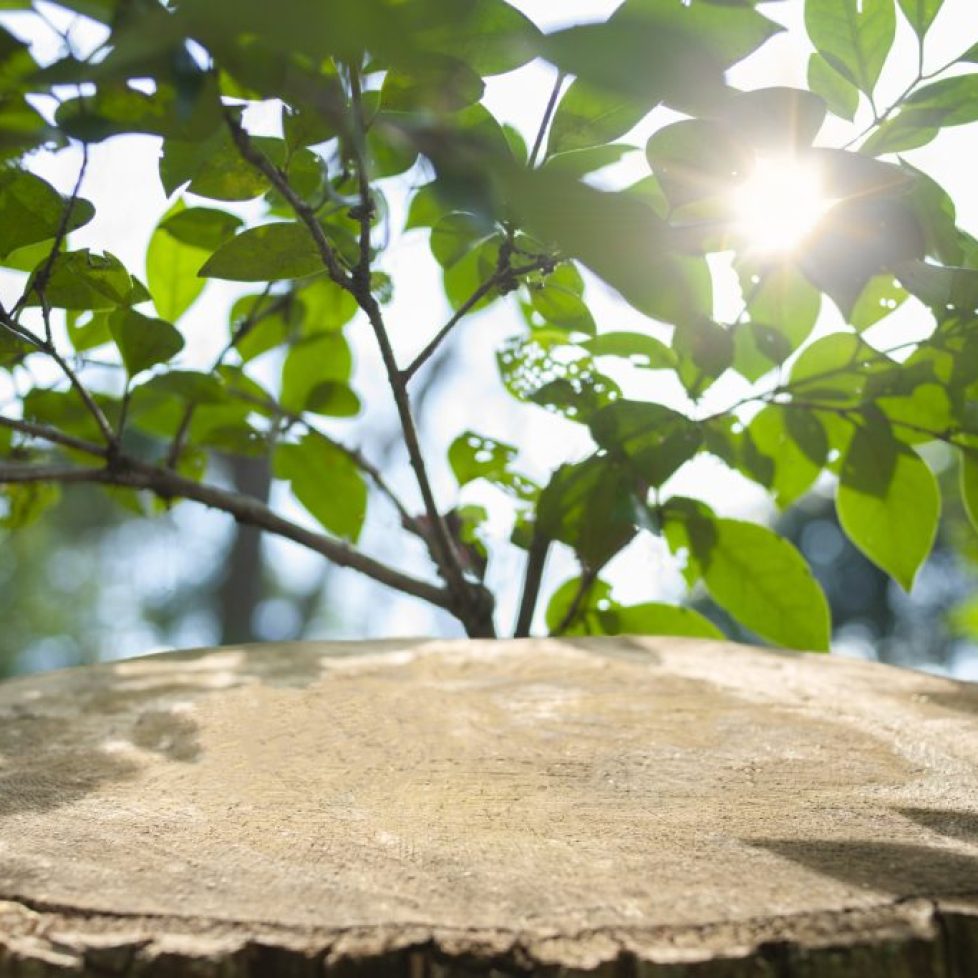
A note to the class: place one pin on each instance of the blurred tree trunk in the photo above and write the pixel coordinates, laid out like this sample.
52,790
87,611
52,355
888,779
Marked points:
243,584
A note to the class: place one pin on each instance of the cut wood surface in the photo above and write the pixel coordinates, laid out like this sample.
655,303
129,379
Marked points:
641,807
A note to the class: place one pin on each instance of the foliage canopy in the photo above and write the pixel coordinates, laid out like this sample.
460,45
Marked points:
378,91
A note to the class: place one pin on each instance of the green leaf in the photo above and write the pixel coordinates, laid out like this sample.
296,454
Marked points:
854,36
581,162
776,119
636,259
888,502
438,84
783,309
697,159
561,306
655,618
201,227
313,361
592,507
598,614
795,442
334,399
473,456
841,96
88,330
858,239
655,440
835,368
83,280
23,128
881,296
640,349
31,210
937,217
143,342
326,306
266,253
178,249
948,102
920,14
969,486
945,290
213,167
426,209
588,116
27,503
765,584
585,621
257,329
898,134
490,36
661,51
705,350
455,235
116,109
326,482
533,370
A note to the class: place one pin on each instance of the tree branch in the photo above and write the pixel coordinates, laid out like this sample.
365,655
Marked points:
536,559
470,603
54,436
302,210
133,474
473,604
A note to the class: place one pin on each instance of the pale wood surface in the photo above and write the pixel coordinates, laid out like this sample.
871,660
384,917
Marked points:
419,806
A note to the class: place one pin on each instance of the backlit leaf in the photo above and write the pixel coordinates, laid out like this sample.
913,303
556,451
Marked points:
264,254
888,502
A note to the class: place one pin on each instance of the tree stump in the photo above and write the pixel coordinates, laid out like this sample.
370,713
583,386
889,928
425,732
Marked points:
655,807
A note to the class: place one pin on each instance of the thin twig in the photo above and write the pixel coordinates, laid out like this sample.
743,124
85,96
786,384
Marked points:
545,122
880,118
588,577
39,282
355,455
500,275
256,316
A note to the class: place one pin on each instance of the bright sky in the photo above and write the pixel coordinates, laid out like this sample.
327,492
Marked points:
129,201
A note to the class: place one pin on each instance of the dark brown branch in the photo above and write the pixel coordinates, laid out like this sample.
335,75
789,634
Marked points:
54,436
469,603
535,561
169,485
477,620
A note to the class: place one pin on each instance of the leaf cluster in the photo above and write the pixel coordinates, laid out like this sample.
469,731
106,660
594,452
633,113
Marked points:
380,95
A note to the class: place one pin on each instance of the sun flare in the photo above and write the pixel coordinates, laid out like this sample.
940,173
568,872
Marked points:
779,204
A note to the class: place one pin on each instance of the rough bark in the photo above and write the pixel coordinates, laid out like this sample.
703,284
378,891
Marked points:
625,807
